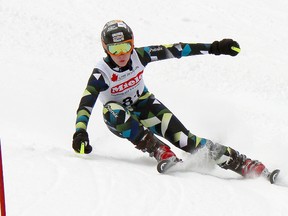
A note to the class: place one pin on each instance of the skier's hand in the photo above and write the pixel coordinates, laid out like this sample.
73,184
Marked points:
225,46
81,142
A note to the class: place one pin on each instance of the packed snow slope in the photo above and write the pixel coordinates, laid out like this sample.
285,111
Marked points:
47,52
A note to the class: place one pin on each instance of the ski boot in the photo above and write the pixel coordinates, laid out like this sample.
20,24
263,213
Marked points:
163,152
159,150
155,147
228,158
252,168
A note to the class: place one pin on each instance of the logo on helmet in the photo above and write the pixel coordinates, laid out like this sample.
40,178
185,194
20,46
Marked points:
118,37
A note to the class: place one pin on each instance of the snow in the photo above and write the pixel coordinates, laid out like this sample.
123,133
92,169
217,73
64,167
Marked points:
47,52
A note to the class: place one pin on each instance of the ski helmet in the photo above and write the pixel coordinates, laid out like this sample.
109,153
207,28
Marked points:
116,31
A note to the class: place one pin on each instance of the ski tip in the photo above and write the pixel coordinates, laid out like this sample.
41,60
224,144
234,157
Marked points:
162,166
273,175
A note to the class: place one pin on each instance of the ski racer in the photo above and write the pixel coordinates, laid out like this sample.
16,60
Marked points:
130,111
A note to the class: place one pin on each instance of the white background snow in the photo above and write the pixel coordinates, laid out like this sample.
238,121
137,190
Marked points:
47,52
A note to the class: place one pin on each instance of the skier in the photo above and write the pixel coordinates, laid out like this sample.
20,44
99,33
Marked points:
130,111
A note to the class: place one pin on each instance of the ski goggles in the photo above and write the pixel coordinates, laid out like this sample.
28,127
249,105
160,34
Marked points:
120,48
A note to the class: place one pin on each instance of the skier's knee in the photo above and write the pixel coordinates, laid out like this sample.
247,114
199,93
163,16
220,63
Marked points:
114,109
217,152
119,121
114,113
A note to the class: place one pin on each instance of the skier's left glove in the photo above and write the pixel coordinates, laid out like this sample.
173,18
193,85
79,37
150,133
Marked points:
225,46
81,142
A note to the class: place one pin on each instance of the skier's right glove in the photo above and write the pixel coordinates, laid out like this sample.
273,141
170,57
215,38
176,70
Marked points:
81,142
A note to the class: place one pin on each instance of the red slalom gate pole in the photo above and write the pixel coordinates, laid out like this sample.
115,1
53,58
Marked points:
2,193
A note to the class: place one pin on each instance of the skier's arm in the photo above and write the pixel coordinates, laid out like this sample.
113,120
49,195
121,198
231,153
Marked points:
95,85
155,53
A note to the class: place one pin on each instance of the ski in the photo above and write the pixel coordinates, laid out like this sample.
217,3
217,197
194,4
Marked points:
165,165
271,176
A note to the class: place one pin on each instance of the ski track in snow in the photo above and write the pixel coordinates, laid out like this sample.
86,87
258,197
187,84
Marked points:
48,50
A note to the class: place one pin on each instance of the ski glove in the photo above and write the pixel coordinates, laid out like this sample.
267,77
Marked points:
81,142
225,46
